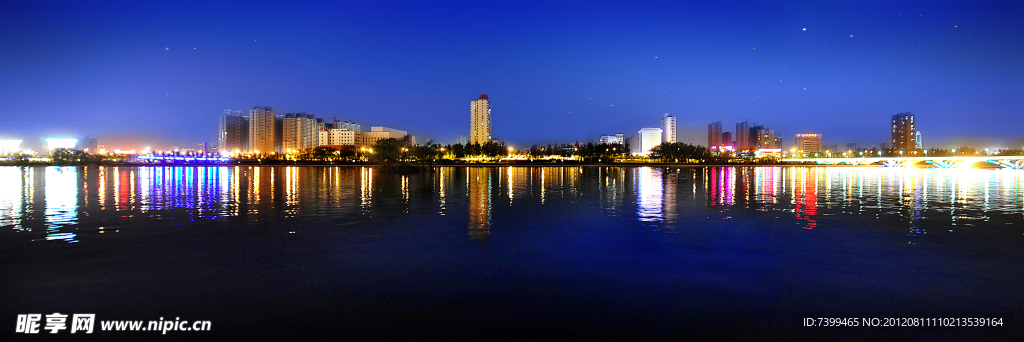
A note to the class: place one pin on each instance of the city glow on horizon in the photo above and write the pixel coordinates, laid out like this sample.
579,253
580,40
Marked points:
54,143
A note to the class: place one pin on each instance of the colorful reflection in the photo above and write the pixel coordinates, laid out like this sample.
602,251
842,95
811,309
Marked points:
649,196
56,200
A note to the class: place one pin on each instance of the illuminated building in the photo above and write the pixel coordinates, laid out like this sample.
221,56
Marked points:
904,132
55,143
380,133
808,142
762,137
715,134
9,147
300,131
233,133
727,139
263,130
618,138
649,137
668,126
480,120
340,136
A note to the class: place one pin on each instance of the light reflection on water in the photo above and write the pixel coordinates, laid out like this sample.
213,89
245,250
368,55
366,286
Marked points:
61,200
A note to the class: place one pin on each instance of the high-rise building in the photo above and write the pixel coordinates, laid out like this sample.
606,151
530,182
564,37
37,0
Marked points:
263,130
743,136
300,131
904,132
808,142
480,120
668,126
762,137
234,132
727,139
715,134
648,138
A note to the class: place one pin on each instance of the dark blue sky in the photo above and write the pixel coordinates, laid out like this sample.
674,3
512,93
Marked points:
160,73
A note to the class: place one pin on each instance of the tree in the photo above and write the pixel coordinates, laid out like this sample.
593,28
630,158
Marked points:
389,151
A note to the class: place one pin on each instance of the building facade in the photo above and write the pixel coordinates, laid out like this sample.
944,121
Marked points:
233,133
340,136
617,138
668,126
808,143
300,131
648,138
480,120
264,131
379,133
904,132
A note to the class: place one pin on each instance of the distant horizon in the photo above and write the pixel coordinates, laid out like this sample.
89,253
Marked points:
137,74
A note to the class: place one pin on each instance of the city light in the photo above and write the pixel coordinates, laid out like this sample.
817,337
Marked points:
9,146
54,143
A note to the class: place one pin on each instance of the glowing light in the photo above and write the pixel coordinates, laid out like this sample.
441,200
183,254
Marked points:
53,143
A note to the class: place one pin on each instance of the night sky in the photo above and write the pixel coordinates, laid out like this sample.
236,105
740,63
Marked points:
160,73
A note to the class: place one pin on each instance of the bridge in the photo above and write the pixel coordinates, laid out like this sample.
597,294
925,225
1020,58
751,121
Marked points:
1007,162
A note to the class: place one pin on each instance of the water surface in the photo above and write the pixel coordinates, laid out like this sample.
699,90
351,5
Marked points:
515,252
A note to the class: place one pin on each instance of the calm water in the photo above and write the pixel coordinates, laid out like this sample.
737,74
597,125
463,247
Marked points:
511,252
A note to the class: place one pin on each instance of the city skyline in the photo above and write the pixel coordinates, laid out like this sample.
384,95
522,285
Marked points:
564,74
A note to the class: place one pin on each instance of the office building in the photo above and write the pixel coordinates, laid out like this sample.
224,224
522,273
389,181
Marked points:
715,134
340,136
808,142
480,120
904,132
300,131
668,126
648,139
233,134
264,133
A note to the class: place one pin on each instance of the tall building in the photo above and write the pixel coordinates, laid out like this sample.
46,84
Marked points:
263,130
715,134
233,134
743,136
668,125
648,138
762,137
904,132
808,142
300,131
727,139
480,120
